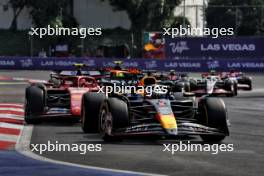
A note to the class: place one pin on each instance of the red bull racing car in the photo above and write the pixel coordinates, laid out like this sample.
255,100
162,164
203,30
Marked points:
167,114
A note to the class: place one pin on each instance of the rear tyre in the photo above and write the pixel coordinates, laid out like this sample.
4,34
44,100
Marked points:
249,83
178,87
187,87
235,89
193,85
34,104
250,86
91,103
213,114
113,115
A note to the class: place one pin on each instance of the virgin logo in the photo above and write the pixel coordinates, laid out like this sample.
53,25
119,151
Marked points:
179,47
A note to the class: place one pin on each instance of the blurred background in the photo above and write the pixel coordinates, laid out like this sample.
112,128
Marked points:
131,28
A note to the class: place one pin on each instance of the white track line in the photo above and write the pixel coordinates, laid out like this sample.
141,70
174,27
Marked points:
11,116
8,137
23,144
11,109
10,104
13,83
9,125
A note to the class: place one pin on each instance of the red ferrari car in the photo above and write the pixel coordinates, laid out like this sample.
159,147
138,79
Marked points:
61,96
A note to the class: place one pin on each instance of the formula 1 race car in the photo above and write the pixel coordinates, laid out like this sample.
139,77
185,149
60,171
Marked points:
170,114
213,86
243,82
60,96
178,82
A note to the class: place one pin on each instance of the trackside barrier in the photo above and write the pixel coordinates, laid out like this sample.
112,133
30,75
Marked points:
182,65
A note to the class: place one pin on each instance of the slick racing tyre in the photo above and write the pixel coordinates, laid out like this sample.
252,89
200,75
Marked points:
34,104
248,81
232,87
187,87
250,85
235,89
91,103
113,115
193,85
213,114
182,86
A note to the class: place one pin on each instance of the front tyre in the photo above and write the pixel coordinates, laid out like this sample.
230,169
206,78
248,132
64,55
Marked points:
91,103
113,115
34,104
213,114
232,87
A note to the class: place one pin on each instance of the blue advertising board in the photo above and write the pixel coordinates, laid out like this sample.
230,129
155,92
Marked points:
243,47
184,65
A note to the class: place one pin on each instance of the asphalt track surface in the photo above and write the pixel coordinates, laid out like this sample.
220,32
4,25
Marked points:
246,113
